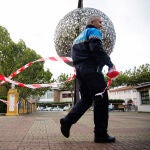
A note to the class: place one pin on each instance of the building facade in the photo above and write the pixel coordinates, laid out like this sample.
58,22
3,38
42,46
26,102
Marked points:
62,96
47,97
144,97
140,95
56,95
126,93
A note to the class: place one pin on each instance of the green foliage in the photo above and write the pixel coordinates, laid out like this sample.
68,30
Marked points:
133,77
69,86
140,75
3,91
15,55
3,97
121,80
4,37
117,101
66,85
130,101
54,104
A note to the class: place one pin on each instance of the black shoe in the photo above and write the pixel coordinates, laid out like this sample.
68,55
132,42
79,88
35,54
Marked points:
65,128
105,139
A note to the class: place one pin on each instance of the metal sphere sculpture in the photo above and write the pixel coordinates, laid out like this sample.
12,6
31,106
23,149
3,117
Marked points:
74,22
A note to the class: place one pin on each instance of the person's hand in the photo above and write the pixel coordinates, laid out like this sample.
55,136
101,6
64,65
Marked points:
112,73
113,68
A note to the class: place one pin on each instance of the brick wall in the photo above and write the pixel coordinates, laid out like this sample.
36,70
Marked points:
56,96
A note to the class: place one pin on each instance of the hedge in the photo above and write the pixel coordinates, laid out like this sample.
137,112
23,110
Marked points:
120,101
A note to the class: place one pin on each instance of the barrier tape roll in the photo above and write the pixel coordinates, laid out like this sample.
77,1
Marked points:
112,75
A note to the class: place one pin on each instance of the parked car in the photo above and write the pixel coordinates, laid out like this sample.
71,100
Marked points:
40,108
47,109
110,106
66,108
57,109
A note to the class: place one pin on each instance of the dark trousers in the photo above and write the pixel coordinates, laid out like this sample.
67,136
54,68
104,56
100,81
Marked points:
91,83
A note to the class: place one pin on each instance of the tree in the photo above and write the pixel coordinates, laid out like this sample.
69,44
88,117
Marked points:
69,86
5,42
133,77
122,80
140,75
13,56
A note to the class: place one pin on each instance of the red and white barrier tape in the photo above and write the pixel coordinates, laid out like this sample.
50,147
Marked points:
112,75
64,59
31,86
72,77
107,87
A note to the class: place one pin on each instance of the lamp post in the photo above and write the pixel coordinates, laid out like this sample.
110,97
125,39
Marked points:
76,90
80,4
72,24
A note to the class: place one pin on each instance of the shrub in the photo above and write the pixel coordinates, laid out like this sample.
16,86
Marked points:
120,101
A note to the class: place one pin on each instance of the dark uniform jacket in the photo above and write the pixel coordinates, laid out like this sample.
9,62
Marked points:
87,47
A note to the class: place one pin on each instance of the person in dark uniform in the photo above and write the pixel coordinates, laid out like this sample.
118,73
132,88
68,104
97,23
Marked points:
89,58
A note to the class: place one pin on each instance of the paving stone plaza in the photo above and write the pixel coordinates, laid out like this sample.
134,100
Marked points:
41,131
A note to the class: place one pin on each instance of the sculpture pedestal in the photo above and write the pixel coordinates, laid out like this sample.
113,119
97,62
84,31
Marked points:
12,99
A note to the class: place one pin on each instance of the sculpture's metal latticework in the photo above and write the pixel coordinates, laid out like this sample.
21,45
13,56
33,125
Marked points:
74,22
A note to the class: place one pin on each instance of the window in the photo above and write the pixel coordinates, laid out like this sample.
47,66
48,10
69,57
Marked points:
66,95
145,97
50,94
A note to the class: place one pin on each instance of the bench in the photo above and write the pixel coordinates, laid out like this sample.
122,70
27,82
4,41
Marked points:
120,107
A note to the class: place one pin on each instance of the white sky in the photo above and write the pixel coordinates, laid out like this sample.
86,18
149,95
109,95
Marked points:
35,21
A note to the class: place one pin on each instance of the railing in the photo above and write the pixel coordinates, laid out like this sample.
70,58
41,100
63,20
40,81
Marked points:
130,107
25,107
121,107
